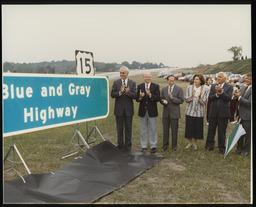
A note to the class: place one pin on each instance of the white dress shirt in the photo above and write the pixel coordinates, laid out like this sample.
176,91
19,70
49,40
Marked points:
126,82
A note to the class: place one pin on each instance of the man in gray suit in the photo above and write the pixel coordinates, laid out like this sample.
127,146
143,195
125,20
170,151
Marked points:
124,91
244,109
171,97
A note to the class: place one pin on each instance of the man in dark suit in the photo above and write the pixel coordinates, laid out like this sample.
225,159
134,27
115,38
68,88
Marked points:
243,98
171,97
220,96
148,95
124,91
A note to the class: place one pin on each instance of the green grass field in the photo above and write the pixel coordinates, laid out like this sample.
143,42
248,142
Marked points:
184,176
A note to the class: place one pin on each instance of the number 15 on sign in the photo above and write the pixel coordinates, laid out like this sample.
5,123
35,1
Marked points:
84,63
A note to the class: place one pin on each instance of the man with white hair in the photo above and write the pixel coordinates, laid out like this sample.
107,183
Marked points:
124,91
220,96
148,94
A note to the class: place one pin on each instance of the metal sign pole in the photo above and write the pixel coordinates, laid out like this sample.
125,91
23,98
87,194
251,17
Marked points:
86,125
84,67
14,149
95,129
79,146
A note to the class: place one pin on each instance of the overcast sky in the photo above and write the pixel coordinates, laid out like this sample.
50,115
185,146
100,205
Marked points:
176,35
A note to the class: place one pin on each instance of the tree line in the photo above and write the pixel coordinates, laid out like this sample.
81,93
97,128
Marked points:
69,67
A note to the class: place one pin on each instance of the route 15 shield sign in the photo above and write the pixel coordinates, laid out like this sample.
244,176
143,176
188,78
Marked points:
84,63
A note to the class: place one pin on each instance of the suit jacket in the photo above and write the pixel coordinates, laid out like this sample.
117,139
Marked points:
220,105
245,104
172,109
147,103
123,102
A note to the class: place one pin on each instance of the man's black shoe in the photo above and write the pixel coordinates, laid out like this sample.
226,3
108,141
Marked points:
126,150
245,154
153,150
164,148
121,148
143,150
209,148
238,152
222,151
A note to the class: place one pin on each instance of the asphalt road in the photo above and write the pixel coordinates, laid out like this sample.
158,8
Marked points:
116,75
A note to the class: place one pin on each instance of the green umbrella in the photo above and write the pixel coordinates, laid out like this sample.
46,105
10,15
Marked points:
237,132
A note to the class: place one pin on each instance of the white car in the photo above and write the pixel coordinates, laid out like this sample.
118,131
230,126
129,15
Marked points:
181,78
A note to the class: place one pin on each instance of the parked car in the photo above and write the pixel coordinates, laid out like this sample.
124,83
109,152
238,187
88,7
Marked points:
181,78
188,77
228,74
161,74
242,79
177,75
167,75
235,77
185,73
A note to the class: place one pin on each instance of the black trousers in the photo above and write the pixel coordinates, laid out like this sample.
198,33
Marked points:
121,123
174,128
244,143
232,109
222,124
208,110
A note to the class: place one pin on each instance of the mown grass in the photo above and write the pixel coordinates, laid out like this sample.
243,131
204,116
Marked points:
184,176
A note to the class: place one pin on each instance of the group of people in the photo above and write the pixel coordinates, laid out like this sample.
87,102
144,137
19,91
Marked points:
199,93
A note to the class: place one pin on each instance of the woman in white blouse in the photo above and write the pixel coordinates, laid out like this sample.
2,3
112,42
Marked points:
196,98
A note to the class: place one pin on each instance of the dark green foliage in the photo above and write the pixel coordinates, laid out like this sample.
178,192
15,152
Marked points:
237,52
69,67
236,67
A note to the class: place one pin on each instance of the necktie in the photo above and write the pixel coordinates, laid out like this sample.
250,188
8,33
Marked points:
124,86
243,95
244,91
146,86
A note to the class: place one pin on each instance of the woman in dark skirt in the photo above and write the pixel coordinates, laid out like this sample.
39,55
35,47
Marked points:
196,98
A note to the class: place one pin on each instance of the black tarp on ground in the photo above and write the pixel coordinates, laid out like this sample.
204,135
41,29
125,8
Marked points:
101,170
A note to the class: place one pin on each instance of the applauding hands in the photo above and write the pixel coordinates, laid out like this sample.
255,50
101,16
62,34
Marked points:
219,89
142,94
124,89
